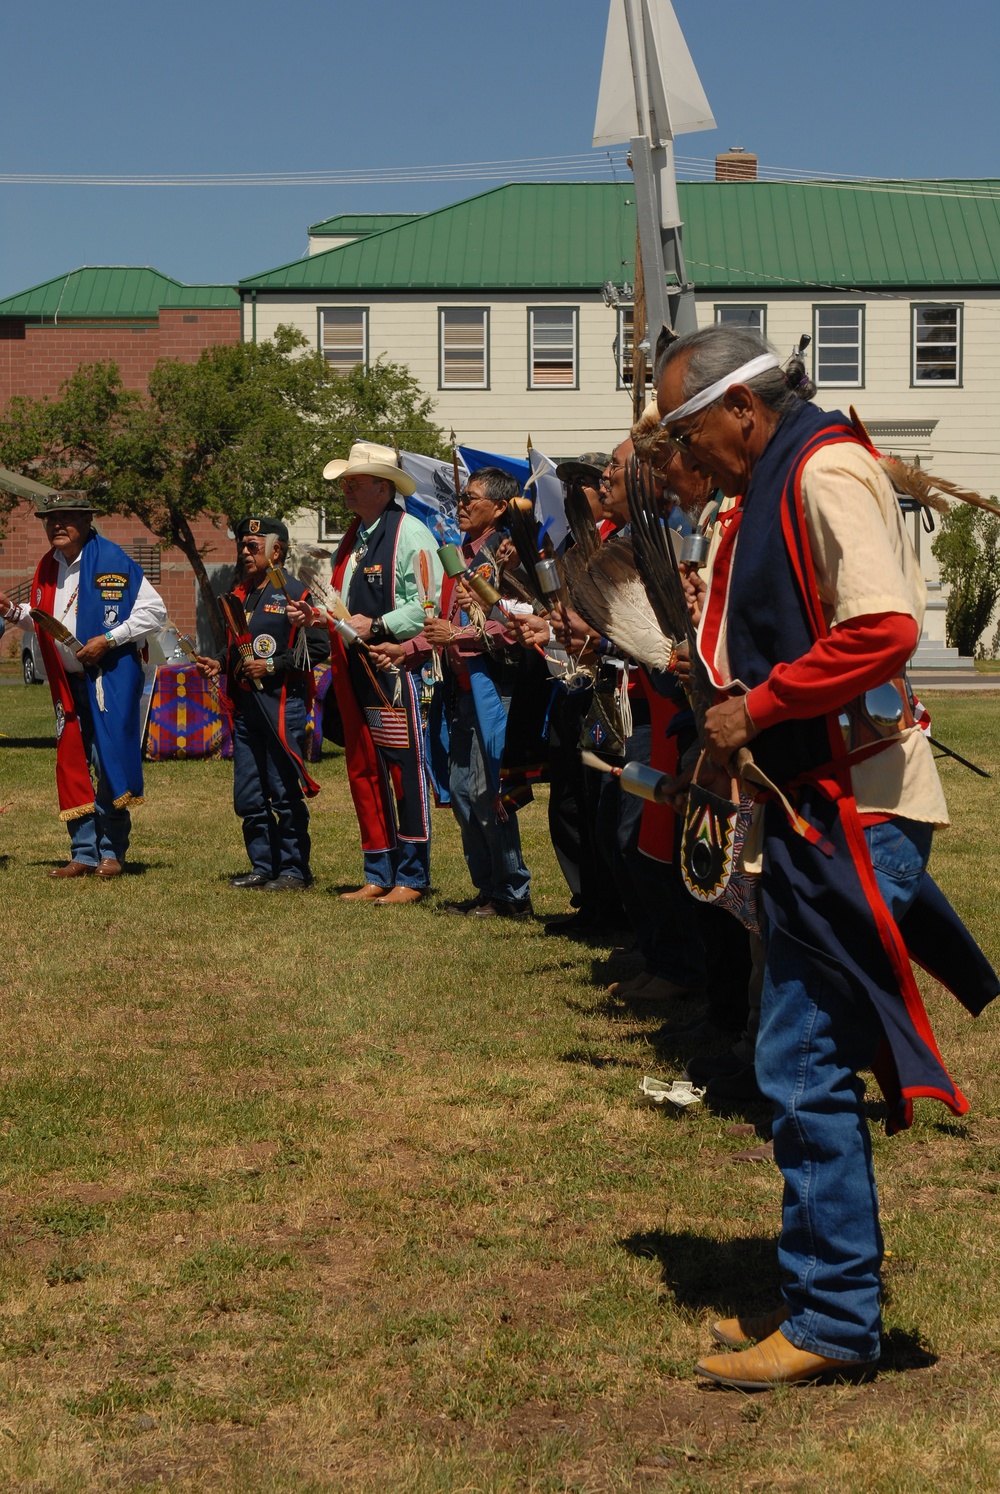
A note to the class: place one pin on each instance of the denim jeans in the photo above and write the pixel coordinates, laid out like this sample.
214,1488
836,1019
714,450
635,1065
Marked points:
105,832
408,864
814,1037
492,847
267,794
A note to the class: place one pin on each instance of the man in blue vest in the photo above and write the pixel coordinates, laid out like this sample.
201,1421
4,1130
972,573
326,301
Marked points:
813,608
373,571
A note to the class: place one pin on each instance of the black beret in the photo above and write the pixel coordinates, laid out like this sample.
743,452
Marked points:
261,526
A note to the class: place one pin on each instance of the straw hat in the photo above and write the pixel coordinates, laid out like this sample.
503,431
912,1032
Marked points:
368,460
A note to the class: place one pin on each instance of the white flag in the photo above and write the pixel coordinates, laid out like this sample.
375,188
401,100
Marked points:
550,496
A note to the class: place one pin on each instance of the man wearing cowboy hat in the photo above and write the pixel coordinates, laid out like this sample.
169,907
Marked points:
373,571
96,592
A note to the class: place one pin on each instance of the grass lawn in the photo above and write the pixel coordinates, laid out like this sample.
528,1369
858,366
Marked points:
302,1196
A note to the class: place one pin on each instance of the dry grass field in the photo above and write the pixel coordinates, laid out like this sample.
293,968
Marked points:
296,1196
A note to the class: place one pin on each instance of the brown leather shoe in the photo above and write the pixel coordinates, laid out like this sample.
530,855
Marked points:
109,867
366,894
399,895
734,1333
774,1361
73,869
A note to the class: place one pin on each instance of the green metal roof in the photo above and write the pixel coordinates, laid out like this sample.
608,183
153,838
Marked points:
362,223
741,236
125,291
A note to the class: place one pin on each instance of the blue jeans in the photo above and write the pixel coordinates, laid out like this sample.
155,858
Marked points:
408,864
814,1037
492,847
104,833
267,794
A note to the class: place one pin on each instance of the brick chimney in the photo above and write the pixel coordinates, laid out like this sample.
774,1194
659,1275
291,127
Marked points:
736,165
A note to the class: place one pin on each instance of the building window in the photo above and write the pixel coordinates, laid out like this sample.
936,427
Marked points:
625,350
754,318
552,347
937,345
463,347
839,343
343,336
331,528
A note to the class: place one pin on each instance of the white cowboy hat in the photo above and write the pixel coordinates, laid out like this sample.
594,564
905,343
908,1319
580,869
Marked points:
368,460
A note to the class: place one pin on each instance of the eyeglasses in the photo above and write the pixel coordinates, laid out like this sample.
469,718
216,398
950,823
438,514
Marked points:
681,440
254,546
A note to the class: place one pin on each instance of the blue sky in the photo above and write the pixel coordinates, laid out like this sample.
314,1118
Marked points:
872,87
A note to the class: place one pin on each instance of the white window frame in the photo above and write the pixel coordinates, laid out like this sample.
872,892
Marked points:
574,312
758,306
915,308
623,382
842,309
321,320
483,383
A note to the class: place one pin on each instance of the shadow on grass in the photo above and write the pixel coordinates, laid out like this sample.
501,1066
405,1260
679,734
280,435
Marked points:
902,1350
28,742
728,1276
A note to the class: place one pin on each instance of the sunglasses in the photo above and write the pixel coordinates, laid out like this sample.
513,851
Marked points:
254,546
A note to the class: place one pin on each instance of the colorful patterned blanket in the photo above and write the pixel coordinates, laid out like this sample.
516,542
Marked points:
186,718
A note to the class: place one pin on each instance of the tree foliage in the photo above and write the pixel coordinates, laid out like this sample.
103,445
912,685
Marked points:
968,552
246,429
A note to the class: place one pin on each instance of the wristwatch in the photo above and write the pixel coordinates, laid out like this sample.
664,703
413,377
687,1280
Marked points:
269,666
378,631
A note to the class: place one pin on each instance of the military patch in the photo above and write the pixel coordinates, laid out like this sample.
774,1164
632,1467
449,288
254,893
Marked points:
111,595
373,572
111,578
264,645
253,526
60,721
597,734
110,616
278,607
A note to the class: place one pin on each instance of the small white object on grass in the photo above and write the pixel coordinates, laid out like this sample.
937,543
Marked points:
678,1092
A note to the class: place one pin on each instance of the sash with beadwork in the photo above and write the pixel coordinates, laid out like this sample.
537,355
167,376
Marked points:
364,769
108,584
818,884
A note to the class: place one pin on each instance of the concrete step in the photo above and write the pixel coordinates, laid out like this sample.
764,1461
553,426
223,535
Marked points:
933,654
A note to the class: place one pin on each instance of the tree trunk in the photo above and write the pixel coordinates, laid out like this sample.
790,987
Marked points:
183,538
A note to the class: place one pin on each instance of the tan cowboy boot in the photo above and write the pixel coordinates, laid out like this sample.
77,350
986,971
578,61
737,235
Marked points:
733,1333
366,894
398,896
775,1361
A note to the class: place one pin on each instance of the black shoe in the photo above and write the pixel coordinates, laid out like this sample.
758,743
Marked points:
469,906
250,879
518,910
577,926
286,883
702,1070
740,1088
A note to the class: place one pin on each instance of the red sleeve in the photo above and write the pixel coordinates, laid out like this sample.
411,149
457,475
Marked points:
856,656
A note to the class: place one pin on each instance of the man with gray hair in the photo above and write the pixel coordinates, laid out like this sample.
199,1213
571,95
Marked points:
813,608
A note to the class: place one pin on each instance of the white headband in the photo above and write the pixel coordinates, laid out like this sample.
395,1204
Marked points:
715,391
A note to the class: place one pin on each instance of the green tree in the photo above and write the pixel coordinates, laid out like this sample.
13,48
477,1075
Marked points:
247,428
968,552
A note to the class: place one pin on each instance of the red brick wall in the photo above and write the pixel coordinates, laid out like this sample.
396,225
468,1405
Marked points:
34,361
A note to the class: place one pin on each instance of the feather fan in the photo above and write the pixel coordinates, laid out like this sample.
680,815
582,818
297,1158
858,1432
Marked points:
522,526
656,562
586,539
608,594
